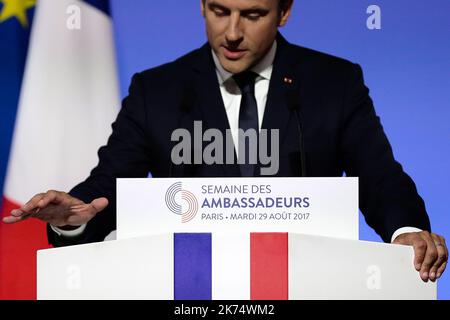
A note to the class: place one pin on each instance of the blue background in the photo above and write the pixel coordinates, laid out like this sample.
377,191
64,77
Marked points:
406,66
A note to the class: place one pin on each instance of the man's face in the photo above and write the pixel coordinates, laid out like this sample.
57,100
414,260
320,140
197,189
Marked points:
241,32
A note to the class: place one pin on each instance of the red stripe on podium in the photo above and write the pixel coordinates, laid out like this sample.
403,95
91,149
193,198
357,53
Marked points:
18,245
269,266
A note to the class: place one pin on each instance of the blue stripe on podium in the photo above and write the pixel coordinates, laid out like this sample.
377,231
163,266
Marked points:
192,266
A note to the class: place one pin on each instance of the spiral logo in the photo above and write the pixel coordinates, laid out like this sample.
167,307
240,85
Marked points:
186,196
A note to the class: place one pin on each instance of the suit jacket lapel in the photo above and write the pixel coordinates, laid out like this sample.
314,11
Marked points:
210,101
277,112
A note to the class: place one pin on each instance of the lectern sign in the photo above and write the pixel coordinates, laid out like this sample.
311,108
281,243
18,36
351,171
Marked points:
323,206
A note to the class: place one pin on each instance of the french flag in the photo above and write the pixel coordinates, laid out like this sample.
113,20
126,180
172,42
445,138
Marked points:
68,98
215,266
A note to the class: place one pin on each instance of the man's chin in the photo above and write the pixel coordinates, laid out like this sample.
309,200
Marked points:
235,66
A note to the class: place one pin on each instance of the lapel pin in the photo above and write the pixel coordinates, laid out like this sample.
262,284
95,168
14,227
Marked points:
288,80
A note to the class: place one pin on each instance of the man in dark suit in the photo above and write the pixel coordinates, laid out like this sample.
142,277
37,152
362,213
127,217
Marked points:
249,77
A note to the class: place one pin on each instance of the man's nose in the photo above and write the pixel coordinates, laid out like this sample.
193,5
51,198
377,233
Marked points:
234,32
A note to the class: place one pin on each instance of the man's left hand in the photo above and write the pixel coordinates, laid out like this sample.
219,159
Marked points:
430,253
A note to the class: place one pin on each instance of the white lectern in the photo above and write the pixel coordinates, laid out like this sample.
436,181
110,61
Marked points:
318,268
192,239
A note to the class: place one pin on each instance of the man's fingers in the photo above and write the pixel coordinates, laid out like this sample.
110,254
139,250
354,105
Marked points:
31,208
430,257
17,216
419,245
11,219
32,204
51,196
441,269
99,204
420,249
17,213
56,208
441,256
41,200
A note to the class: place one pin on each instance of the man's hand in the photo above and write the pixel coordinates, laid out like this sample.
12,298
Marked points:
430,253
57,208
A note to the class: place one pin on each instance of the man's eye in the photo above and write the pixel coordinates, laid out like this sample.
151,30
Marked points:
253,16
219,13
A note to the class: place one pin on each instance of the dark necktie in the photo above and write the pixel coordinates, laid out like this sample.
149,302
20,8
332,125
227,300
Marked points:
248,119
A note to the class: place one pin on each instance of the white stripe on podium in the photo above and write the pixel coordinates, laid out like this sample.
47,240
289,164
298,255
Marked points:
230,266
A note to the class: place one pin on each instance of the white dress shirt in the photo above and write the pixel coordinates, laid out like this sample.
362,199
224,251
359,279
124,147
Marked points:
231,96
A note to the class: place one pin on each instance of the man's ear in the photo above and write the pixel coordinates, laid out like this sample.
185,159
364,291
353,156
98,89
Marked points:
285,14
202,7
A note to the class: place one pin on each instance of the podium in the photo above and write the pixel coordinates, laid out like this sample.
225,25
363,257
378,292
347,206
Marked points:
145,268
233,239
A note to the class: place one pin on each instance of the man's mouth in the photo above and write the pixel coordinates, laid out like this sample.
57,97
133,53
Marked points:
233,53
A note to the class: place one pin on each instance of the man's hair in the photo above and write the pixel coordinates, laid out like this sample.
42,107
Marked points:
283,5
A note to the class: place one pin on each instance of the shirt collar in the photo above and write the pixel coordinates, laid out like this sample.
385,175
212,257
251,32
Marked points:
263,68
